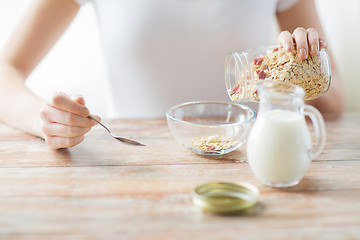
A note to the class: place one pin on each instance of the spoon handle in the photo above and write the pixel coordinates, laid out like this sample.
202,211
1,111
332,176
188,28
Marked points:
99,123
121,139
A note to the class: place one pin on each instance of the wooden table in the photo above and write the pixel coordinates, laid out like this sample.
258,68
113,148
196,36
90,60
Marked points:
105,189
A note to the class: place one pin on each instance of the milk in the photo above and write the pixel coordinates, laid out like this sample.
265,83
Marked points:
279,148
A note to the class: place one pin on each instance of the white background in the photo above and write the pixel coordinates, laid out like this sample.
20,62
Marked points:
75,65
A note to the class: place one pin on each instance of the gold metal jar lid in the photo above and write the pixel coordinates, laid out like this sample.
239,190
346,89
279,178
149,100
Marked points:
225,197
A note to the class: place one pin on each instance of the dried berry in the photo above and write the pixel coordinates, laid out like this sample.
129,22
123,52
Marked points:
235,89
258,61
261,74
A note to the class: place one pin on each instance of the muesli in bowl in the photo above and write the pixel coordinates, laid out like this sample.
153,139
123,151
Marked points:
210,128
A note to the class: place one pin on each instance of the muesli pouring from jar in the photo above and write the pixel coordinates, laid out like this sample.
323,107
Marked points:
244,69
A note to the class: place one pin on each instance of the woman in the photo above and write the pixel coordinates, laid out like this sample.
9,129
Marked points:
159,53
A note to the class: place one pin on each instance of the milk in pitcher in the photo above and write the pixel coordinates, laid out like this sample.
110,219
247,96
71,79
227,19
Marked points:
280,147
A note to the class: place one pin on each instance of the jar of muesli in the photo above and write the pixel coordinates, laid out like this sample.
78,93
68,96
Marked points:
244,69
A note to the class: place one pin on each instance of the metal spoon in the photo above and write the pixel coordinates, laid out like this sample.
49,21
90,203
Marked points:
121,139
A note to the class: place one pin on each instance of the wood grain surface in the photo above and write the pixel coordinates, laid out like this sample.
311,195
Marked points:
103,189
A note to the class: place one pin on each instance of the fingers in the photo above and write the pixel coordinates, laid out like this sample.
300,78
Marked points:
286,41
300,38
65,120
96,117
52,114
78,98
59,142
313,41
307,41
60,130
323,43
64,102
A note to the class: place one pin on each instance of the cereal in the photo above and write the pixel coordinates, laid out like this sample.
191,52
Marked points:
282,66
213,143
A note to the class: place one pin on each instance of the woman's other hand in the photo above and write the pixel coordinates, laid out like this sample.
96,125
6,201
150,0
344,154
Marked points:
65,120
307,41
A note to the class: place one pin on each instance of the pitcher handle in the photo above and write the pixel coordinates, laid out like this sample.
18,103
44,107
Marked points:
319,129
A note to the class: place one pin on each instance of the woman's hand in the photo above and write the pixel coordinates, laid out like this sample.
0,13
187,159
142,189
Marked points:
306,41
65,120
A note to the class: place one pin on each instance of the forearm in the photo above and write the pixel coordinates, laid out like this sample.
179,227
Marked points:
42,25
19,107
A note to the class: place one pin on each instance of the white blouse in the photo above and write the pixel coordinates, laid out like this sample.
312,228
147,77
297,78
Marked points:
164,52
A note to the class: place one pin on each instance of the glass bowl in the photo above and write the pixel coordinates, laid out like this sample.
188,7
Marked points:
210,128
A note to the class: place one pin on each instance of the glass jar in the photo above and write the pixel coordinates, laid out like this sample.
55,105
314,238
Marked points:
244,69
280,147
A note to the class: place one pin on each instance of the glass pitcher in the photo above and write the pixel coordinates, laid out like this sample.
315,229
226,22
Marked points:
280,147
